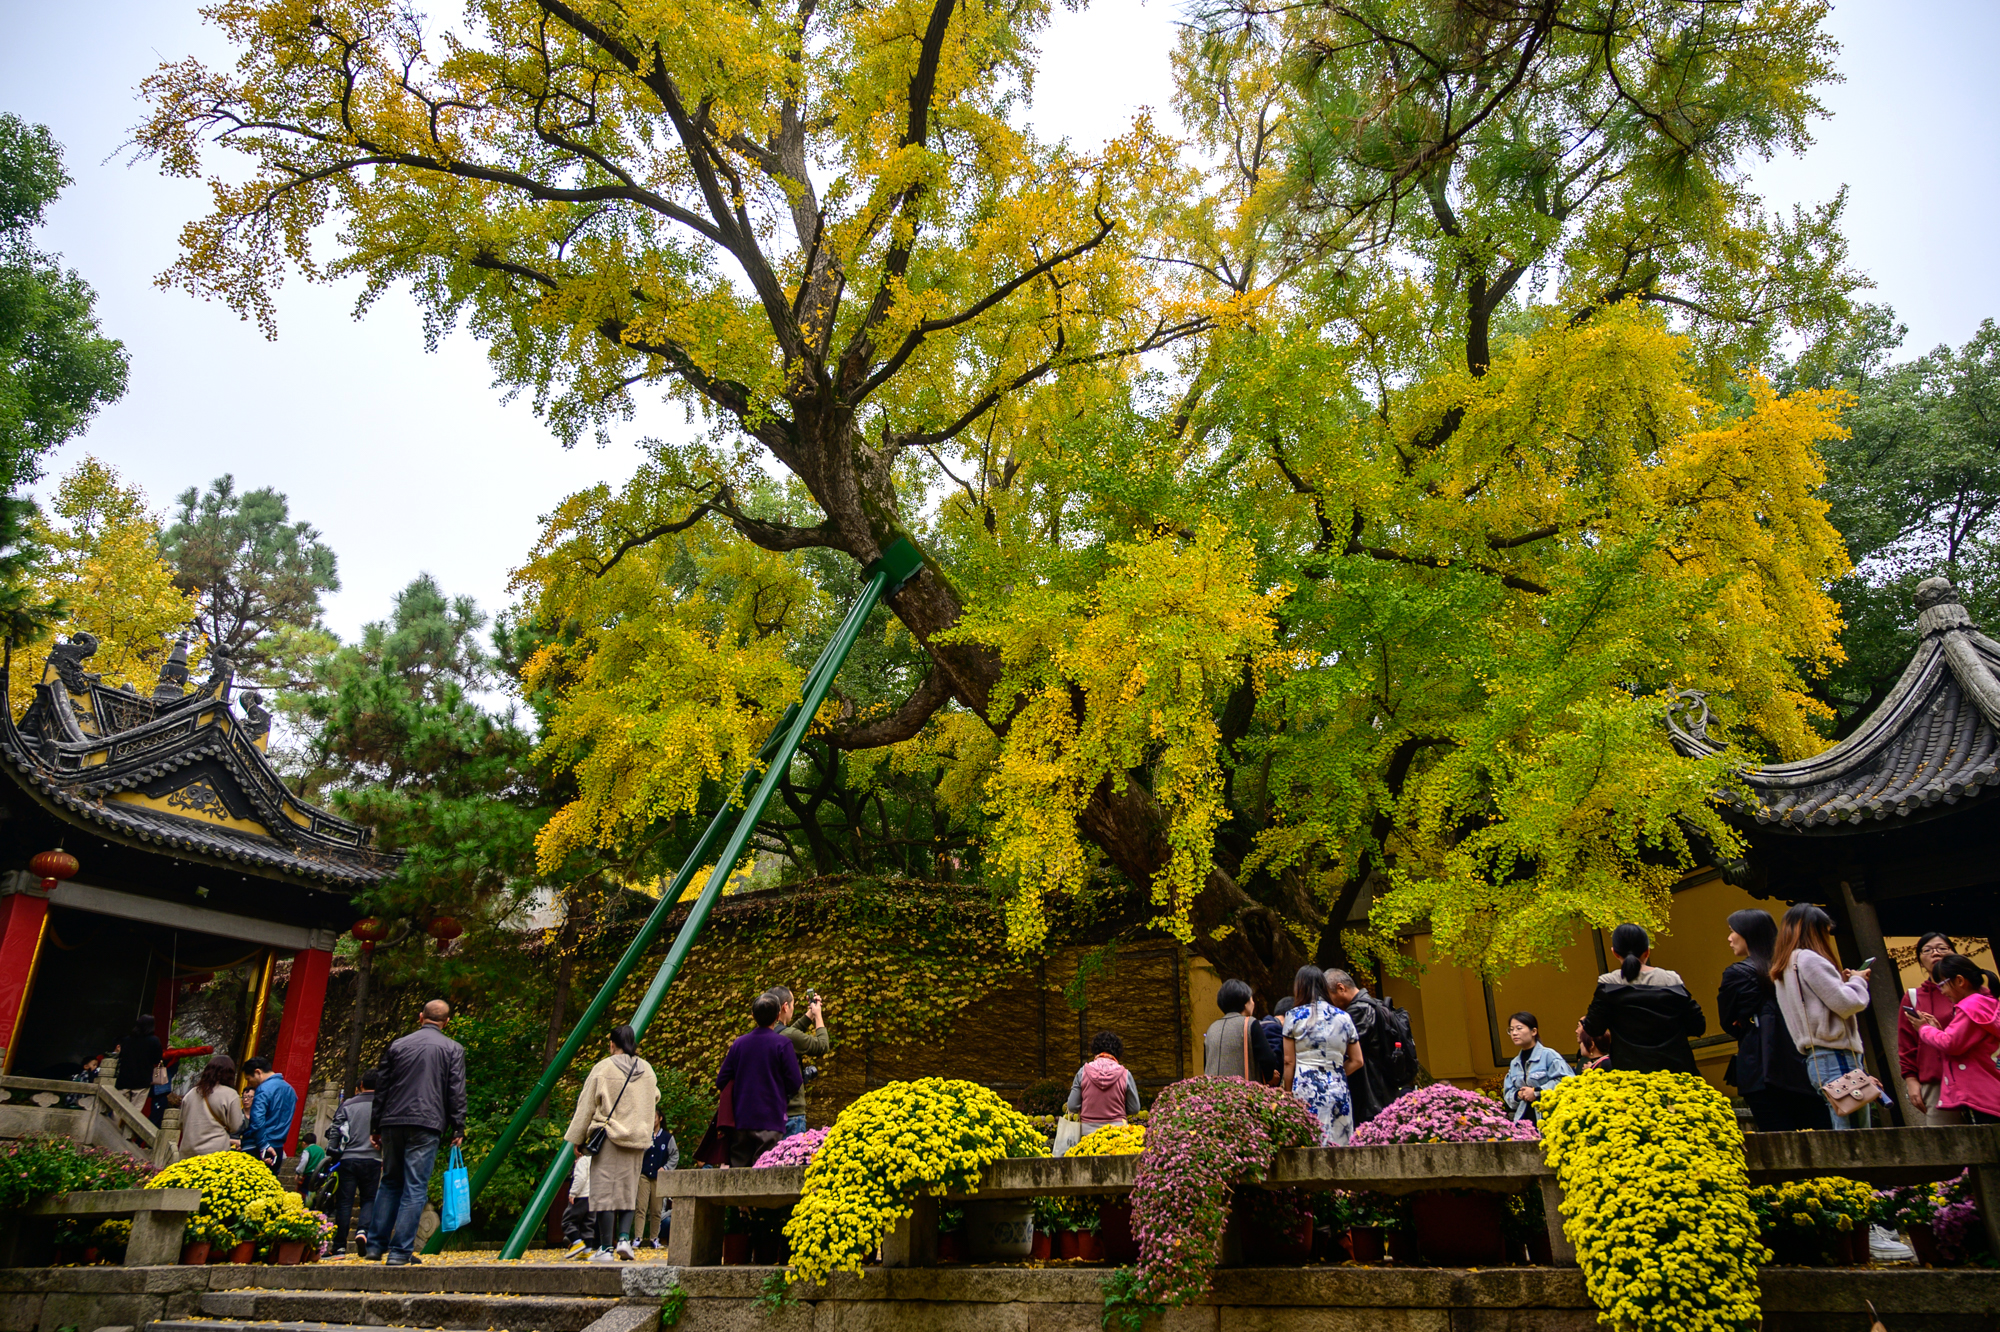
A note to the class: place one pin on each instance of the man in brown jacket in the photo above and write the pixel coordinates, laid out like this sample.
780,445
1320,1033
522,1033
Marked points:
809,1037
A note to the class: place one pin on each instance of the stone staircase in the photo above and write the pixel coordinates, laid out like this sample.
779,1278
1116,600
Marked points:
357,1297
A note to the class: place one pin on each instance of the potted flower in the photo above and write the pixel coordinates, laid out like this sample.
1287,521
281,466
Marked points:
1813,1222
230,1183
1088,1246
201,1234
1052,1217
1456,1227
285,1227
1114,1214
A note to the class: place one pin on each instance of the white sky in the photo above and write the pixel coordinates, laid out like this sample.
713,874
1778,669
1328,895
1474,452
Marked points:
410,462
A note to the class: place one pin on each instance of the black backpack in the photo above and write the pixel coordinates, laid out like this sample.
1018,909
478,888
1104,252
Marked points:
1395,1045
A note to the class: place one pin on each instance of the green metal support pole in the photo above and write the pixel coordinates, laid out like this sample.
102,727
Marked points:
897,566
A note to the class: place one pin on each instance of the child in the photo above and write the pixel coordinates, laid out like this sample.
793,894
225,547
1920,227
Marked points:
577,1224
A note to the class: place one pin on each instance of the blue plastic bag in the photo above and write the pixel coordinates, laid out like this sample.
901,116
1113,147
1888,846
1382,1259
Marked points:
457,1209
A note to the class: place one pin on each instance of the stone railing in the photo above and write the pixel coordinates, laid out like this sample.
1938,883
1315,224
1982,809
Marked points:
1877,1156
159,1218
102,1116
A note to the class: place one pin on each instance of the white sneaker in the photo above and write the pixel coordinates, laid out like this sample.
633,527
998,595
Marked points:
625,1252
604,1256
576,1250
1884,1247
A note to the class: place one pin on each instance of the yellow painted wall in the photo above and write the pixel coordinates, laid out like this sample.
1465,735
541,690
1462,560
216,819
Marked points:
1449,1015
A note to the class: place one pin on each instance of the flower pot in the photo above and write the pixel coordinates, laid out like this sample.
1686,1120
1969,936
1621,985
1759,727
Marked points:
1041,1246
246,1252
1114,1230
1366,1244
999,1232
89,1254
950,1247
1924,1241
736,1250
1332,1246
1066,1244
1089,1247
1460,1229
194,1255
290,1253
1851,1250
312,1252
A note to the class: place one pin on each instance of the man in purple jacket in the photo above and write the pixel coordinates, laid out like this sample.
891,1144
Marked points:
762,1071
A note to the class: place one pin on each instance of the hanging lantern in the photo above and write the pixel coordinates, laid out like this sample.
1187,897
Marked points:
370,932
444,928
53,867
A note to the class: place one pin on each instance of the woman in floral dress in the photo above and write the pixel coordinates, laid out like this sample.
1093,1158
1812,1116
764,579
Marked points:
1321,1050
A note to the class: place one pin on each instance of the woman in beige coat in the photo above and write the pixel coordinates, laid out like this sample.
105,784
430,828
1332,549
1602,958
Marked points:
211,1112
620,1096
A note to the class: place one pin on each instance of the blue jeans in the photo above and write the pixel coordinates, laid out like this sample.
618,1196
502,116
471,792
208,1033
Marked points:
794,1125
1822,1067
408,1153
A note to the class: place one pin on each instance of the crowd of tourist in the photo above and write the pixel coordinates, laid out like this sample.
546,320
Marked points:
1346,1054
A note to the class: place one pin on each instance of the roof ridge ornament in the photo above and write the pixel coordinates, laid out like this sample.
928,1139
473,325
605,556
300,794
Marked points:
173,679
1939,608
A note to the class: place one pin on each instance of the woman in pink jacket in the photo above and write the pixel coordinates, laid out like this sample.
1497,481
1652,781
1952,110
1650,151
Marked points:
1971,1083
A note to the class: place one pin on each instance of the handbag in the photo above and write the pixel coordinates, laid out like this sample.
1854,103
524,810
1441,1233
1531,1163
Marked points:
1068,1134
1852,1090
594,1142
457,1207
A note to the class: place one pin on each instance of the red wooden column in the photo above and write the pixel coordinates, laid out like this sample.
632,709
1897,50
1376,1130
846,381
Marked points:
24,918
298,1030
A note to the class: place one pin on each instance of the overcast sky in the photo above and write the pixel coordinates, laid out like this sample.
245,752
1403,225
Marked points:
410,462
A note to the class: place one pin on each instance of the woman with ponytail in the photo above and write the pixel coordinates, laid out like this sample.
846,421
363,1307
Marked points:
1822,1001
1644,1012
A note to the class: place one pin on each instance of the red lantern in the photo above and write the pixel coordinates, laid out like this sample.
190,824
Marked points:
370,932
53,867
444,928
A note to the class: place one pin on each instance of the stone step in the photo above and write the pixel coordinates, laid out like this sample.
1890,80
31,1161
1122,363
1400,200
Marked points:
412,1309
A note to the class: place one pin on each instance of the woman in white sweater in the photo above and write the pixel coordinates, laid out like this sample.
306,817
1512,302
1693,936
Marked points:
1820,1001
619,1096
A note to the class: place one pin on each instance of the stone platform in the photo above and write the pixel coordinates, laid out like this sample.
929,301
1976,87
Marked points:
575,1297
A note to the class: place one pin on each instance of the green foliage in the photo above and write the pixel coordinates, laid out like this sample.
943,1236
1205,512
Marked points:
1914,489
398,739
255,570
56,369
687,1103
673,1304
775,1296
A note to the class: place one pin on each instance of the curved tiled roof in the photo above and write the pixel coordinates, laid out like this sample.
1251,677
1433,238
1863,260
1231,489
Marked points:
167,744
1933,743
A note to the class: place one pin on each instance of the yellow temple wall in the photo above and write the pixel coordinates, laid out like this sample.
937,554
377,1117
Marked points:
1461,1024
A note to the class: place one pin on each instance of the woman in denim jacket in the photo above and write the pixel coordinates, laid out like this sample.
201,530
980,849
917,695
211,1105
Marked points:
1531,1072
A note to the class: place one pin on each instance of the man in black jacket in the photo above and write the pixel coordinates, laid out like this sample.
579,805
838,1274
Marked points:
1373,1085
419,1100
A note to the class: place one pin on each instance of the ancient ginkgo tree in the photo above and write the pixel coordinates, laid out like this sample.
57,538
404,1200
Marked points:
1321,504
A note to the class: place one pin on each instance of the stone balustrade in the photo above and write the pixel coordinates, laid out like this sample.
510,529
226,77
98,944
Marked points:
1878,1156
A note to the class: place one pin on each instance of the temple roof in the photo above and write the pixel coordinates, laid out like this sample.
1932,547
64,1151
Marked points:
179,770
1932,744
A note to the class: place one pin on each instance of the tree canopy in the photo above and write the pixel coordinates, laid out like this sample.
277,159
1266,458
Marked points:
56,368
101,559
254,572
1318,513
